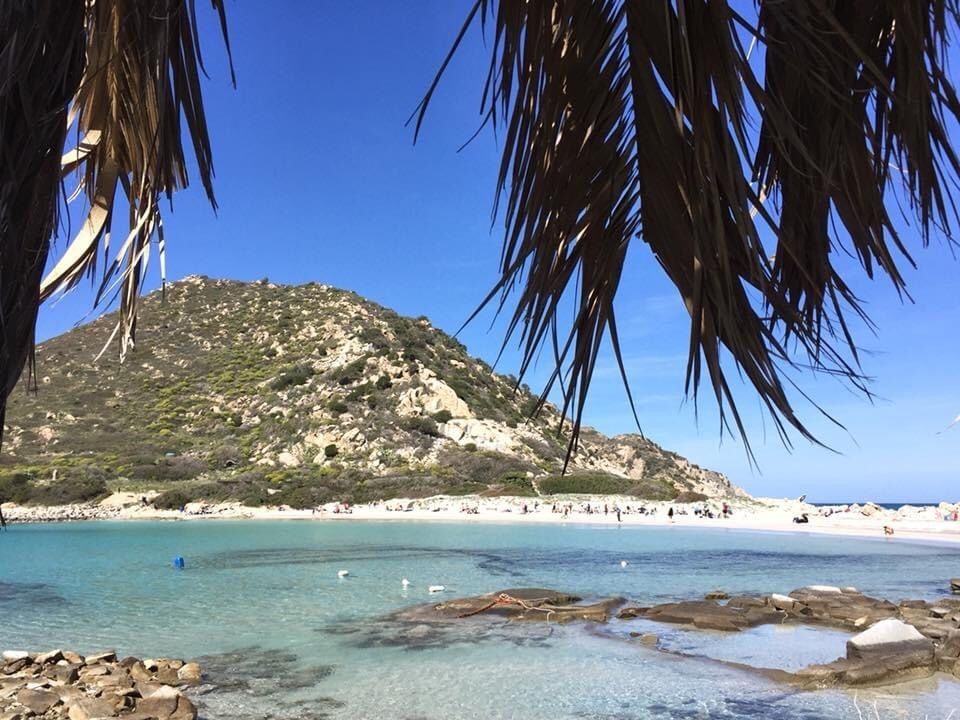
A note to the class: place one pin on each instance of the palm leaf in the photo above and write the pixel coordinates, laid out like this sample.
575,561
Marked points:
626,119
41,60
129,71
142,79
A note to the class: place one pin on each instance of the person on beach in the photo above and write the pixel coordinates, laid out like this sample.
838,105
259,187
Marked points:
618,513
670,514
3,523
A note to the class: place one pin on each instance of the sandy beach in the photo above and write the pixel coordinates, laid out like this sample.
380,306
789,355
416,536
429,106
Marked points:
756,514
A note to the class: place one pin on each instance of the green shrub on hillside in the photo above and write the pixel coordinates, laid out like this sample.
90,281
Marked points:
689,496
330,451
423,425
602,484
293,376
442,416
351,373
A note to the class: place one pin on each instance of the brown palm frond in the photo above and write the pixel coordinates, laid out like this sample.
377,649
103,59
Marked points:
636,118
142,81
41,61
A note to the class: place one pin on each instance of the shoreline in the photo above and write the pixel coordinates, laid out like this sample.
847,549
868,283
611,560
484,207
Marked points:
756,515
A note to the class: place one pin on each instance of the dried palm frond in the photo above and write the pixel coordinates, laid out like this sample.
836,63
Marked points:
635,118
41,60
142,80
129,71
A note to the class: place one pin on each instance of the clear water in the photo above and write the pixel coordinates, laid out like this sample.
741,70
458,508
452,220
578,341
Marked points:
261,605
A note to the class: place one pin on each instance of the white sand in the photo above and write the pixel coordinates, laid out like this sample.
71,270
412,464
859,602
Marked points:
762,514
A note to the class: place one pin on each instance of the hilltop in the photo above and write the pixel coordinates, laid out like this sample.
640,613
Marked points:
274,394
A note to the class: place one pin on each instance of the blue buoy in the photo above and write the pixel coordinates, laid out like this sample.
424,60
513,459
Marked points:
178,563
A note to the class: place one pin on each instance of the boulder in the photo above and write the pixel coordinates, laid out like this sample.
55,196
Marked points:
14,655
782,602
713,622
185,710
190,673
89,708
139,673
38,701
158,705
104,657
167,675
72,657
650,639
630,612
824,589
64,674
49,657
891,637
955,584
716,595
949,648
159,691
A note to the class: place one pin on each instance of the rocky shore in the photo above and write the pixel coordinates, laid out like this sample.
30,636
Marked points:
59,684
889,642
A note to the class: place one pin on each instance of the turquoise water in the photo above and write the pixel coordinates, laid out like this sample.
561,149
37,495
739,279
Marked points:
261,605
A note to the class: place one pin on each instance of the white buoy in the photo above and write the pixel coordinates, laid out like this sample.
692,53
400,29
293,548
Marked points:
623,563
436,588
405,582
343,573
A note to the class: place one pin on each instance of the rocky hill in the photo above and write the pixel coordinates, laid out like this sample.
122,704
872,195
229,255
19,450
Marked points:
298,395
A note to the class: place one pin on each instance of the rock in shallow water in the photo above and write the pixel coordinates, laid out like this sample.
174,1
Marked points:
890,636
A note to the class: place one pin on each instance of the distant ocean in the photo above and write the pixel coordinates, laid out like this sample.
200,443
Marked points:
885,505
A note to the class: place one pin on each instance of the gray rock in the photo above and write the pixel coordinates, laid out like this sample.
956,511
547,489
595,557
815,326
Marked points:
49,657
139,673
955,584
158,705
950,647
90,708
12,655
103,657
185,710
890,637
782,602
38,701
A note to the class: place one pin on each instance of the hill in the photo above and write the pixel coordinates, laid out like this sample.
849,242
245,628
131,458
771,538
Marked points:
298,395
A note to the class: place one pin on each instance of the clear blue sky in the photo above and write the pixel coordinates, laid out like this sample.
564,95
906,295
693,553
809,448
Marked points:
318,179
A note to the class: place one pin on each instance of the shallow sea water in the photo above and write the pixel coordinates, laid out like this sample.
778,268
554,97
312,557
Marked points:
260,605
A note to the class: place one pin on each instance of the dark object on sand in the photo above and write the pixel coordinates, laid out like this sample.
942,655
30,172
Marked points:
802,519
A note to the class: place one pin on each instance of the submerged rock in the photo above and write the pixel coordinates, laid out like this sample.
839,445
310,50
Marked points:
709,615
515,604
